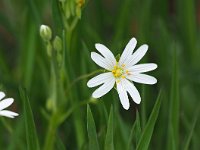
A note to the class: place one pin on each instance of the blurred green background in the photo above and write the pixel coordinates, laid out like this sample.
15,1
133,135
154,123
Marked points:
58,93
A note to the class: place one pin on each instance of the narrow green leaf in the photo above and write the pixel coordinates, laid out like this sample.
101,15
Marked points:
91,129
57,16
188,28
143,108
31,135
109,145
123,18
138,130
59,144
174,108
135,133
144,19
148,130
187,144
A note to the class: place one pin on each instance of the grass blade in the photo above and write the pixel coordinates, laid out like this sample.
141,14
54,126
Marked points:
109,145
135,133
174,109
92,135
57,16
189,138
148,130
31,135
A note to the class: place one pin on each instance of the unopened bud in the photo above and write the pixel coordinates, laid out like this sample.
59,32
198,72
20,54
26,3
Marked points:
59,58
45,32
57,43
80,3
49,49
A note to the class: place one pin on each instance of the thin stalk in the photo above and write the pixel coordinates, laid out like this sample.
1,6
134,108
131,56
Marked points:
51,133
83,77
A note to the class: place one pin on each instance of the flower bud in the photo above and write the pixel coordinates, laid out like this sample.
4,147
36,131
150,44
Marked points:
57,43
79,5
49,49
59,58
45,32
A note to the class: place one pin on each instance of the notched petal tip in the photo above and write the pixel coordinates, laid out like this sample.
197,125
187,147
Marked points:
2,95
92,54
155,81
97,45
126,107
88,84
138,101
133,40
145,46
94,95
155,66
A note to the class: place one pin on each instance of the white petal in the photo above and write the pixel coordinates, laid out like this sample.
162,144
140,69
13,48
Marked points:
131,89
104,89
140,68
106,53
102,62
123,96
142,78
128,51
6,102
8,113
2,95
137,56
100,79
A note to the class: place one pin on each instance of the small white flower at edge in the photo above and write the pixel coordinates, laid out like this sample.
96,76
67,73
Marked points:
122,72
4,104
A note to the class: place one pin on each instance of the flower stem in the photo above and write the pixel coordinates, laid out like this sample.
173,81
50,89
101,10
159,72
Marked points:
83,77
50,137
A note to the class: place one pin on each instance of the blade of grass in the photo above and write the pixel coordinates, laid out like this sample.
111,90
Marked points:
109,145
91,128
144,19
174,108
57,16
31,135
187,23
143,108
59,144
148,130
189,138
135,133
123,19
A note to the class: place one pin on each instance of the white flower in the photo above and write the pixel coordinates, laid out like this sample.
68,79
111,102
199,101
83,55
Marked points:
4,104
122,73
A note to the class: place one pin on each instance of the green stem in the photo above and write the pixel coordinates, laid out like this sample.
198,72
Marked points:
6,125
83,77
51,133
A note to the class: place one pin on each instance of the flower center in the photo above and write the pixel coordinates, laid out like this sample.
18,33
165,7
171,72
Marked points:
118,71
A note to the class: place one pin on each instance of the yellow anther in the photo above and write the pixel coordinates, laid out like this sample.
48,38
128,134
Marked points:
123,65
118,71
127,72
123,77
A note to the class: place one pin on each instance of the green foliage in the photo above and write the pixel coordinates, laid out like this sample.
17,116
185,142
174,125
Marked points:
109,145
55,73
174,107
91,129
31,134
144,141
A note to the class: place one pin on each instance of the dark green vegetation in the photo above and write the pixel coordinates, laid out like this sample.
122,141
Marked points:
51,96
